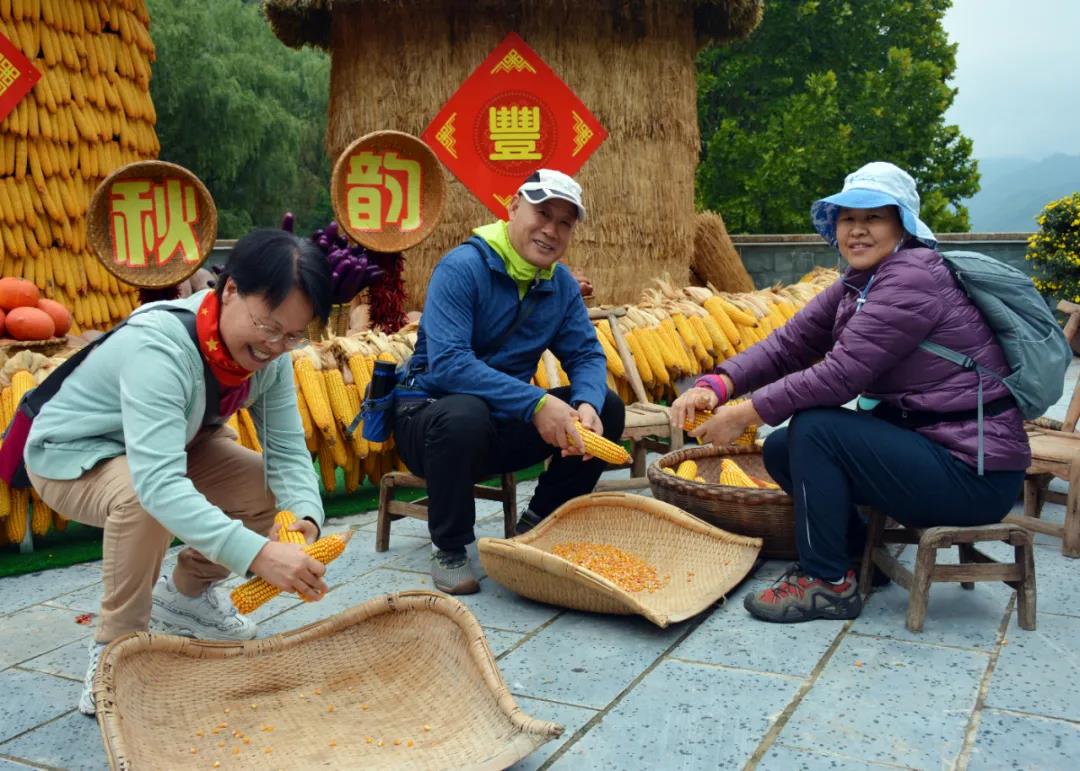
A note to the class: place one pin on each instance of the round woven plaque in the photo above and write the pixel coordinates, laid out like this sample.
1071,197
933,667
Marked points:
388,191
151,223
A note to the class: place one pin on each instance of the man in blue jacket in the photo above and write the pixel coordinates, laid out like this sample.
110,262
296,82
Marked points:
493,305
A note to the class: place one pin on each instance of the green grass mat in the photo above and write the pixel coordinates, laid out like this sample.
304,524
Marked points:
80,543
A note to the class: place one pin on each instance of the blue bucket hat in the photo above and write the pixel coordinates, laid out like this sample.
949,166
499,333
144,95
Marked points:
875,184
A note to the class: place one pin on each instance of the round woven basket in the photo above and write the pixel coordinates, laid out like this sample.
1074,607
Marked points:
175,269
766,514
701,563
404,681
390,236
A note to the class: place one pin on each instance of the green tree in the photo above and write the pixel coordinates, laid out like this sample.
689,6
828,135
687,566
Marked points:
819,89
243,112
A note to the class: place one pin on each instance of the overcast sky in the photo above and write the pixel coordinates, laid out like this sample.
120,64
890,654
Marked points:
1018,71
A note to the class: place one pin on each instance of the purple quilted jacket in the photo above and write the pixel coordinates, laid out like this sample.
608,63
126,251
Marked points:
829,354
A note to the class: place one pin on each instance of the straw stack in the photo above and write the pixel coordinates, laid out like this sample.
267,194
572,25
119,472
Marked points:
89,114
639,185
715,260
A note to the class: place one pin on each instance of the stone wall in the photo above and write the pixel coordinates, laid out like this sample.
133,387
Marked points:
783,259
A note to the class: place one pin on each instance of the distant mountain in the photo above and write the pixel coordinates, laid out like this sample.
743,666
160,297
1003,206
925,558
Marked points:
1015,190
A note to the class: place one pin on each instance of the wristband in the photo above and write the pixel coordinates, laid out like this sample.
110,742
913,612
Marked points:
715,384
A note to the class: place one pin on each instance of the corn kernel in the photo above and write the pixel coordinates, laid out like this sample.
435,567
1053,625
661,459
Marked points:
379,743
397,742
427,727
330,708
410,743
217,764
235,750
333,744
194,751
268,750
627,571
369,740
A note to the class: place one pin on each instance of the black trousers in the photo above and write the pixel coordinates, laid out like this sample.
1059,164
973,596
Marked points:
831,459
454,442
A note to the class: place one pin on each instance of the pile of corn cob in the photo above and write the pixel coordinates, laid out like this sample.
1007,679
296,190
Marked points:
731,475
89,114
20,509
682,332
331,380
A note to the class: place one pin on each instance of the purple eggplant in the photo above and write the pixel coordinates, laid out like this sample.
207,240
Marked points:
288,221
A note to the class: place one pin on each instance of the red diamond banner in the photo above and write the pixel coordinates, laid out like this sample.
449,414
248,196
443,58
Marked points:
17,76
513,115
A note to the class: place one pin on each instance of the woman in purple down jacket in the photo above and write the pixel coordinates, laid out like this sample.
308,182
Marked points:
911,451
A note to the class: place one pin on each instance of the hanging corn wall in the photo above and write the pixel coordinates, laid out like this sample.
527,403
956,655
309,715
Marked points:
88,115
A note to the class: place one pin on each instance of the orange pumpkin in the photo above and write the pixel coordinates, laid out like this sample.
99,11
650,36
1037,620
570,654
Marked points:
29,324
18,293
61,316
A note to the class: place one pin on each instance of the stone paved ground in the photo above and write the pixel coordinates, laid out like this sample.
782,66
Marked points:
718,691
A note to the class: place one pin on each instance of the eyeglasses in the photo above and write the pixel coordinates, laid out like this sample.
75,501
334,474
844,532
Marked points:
272,334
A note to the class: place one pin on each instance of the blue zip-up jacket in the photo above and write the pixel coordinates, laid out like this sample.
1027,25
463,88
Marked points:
471,301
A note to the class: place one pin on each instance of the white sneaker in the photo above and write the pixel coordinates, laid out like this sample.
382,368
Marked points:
207,617
86,699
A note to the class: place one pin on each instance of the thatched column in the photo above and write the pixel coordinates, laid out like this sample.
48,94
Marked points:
632,63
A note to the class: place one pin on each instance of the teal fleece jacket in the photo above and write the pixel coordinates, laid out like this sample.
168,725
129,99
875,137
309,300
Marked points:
142,393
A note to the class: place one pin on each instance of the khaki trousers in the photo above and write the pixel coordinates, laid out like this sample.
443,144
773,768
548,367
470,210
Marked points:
134,543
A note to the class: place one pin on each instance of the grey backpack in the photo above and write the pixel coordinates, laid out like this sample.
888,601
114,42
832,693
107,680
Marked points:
1026,330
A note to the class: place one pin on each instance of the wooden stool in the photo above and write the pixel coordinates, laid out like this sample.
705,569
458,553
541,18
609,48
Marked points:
974,564
391,510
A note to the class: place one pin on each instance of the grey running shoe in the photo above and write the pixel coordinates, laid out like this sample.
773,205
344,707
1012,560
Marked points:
797,596
452,572
210,616
86,698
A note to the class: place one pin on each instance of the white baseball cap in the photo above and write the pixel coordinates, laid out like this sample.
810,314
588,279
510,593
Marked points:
543,184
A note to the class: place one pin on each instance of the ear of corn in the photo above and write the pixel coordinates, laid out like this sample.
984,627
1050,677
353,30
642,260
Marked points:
686,470
599,447
314,391
731,474
251,594
284,519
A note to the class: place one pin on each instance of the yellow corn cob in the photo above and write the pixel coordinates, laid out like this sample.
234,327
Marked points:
314,391
765,484
650,346
251,594
361,373
21,382
668,470
5,500
721,343
686,470
599,447
41,517
541,377
731,474
708,345
353,473
614,363
686,332
59,522
359,443
248,426
700,416
736,314
286,518
673,351
339,396
564,380
716,309
640,359
15,523
326,467
310,439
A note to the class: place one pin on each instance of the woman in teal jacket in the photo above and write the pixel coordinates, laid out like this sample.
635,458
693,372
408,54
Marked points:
123,445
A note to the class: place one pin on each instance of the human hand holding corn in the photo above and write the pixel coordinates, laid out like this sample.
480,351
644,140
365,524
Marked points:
251,594
727,424
690,404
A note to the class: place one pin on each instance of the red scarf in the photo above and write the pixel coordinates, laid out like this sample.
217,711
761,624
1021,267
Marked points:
222,364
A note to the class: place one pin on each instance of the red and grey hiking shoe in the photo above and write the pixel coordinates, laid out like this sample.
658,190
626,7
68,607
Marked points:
797,596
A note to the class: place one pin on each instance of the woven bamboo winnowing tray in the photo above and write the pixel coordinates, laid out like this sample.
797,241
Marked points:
767,514
314,696
703,562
